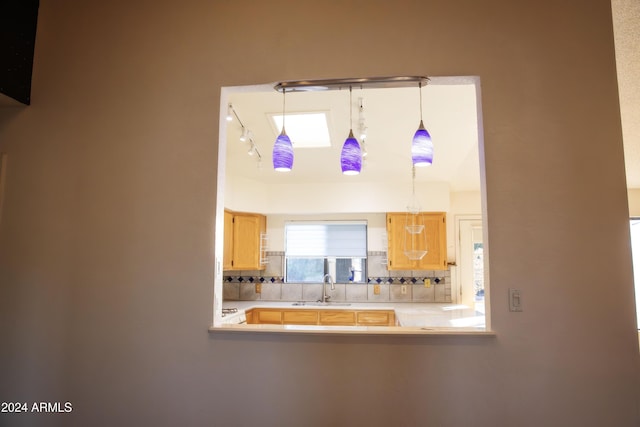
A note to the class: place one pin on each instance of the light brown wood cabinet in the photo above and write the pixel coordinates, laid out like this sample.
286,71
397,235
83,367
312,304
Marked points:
273,317
300,317
375,317
323,317
244,241
338,317
436,241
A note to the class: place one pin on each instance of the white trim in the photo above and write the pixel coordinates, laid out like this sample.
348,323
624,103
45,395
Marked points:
456,286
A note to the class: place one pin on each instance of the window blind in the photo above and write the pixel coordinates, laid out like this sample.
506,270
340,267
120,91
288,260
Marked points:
326,239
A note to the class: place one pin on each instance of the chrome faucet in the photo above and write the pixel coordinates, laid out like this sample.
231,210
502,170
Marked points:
325,297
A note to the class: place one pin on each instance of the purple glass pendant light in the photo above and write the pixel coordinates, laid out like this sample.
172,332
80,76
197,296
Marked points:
283,149
422,146
351,156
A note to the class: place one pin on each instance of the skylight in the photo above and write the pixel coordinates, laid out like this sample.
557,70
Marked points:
305,130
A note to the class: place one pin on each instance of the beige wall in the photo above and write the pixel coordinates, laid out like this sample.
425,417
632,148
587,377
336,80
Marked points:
634,202
300,198
106,238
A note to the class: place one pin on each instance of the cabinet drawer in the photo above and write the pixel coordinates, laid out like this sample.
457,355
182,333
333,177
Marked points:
270,317
301,317
376,317
331,317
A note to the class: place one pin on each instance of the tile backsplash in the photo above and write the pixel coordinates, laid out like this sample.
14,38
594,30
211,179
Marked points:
392,286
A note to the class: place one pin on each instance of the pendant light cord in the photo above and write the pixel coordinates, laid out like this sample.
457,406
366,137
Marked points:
350,111
420,89
413,207
283,109
413,182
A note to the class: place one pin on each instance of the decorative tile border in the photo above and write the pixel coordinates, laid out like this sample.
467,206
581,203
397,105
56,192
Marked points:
239,285
370,280
253,279
406,280
389,289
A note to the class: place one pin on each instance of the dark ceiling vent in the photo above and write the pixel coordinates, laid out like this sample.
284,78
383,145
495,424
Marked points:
18,20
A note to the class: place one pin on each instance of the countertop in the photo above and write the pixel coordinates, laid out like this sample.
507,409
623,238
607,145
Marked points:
414,319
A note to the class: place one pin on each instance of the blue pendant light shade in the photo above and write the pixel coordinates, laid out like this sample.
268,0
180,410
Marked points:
351,157
282,149
283,153
422,147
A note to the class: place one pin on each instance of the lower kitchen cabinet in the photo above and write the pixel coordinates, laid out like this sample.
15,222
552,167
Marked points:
323,317
338,317
375,317
300,317
266,317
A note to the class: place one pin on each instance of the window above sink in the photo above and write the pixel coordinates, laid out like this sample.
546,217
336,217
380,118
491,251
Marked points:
316,248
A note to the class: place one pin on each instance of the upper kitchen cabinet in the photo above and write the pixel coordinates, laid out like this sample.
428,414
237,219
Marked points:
408,242
244,241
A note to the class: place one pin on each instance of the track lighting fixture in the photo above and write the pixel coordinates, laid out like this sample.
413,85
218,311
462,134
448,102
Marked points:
229,112
246,135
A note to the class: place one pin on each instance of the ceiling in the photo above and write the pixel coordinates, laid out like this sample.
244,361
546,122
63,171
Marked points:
391,115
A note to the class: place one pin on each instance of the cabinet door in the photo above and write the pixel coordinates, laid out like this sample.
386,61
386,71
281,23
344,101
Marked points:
247,229
433,239
337,317
227,254
300,317
395,234
376,318
436,229
269,317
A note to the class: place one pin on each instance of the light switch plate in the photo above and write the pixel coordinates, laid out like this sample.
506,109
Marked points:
427,283
515,300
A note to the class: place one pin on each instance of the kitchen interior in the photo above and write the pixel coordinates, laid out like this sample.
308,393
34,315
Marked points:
420,260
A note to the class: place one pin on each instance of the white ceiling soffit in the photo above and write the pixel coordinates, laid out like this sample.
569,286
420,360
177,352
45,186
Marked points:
392,116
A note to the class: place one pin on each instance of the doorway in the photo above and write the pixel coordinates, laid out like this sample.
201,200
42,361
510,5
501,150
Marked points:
471,256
